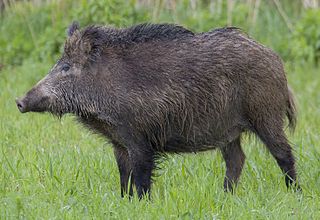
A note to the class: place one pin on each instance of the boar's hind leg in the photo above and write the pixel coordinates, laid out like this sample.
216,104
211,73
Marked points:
274,138
125,169
234,158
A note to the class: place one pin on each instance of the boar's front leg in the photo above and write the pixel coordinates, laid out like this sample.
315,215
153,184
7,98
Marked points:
142,167
234,158
125,169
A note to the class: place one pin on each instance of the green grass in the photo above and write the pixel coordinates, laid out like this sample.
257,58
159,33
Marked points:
55,169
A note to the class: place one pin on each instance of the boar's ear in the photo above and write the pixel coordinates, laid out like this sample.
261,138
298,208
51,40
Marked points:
92,41
74,26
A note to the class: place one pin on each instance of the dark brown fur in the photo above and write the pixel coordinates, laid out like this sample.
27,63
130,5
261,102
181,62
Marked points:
155,89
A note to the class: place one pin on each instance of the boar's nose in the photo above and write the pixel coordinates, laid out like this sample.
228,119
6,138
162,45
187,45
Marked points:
21,106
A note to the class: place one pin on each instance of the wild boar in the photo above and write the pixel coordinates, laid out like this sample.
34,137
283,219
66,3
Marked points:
153,89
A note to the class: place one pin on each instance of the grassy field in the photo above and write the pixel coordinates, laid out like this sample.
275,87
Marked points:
54,169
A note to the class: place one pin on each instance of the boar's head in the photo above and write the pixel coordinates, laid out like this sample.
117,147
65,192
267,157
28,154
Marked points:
71,85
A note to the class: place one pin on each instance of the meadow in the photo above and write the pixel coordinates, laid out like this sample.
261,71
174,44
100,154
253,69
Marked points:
55,169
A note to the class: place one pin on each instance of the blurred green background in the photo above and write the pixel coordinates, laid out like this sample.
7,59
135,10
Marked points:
55,169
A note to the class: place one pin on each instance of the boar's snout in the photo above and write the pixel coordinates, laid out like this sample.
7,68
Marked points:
35,100
21,106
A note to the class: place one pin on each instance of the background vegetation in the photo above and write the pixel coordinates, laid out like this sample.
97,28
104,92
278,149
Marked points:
54,169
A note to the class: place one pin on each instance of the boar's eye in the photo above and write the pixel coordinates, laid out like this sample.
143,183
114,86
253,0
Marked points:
65,67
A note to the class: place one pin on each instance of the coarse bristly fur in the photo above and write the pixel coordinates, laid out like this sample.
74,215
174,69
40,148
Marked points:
153,89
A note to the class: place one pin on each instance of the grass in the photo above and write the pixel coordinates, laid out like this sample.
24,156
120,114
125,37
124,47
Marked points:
55,169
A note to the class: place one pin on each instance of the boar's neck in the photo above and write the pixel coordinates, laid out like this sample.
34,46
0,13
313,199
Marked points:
98,125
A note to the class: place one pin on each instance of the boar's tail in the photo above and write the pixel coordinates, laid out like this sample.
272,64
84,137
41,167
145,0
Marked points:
291,111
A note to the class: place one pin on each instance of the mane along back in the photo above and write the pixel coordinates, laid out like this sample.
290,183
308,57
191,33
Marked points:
137,34
146,32
96,37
